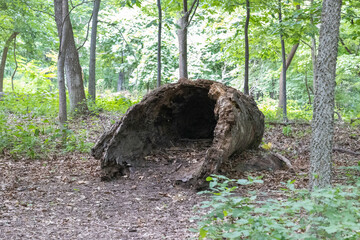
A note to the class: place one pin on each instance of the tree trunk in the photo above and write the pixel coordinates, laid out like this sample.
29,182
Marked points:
159,45
307,87
120,84
73,69
282,92
3,59
190,111
92,64
182,35
281,79
64,39
323,116
246,77
16,67
313,50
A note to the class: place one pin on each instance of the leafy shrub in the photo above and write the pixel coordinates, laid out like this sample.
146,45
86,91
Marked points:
112,104
295,110
332,213
287,131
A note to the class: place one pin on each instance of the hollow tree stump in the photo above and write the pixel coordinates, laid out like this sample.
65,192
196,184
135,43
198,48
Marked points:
200,109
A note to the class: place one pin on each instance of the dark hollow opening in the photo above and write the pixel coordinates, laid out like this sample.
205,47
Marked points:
193,114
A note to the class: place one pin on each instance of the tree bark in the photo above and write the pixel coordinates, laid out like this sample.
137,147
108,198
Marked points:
64,39
120,85
182,35
183,23
323,116
92,63
16,67
73,69
159,45
3,58
246,75
282,92
288,62
192,110
313,50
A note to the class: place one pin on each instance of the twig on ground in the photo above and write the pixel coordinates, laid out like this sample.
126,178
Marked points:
284,159
346,151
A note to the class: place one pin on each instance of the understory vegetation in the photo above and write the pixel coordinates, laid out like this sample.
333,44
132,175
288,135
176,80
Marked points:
29,126
329,213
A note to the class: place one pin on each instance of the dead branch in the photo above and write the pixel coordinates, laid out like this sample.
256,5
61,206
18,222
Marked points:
284,159
342,150
354,120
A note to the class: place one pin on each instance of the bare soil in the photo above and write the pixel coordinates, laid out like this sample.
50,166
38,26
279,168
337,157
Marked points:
62,197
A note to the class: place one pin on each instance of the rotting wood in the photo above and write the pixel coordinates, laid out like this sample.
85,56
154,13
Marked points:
200,109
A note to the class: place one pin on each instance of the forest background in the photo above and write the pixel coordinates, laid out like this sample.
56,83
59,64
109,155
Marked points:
127,47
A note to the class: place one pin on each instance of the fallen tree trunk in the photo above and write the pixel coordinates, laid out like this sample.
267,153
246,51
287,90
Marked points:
200,109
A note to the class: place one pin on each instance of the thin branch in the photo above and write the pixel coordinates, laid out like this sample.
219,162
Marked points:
16,66
192,6
87,32
68,16
306,44
127,44
346,48
37,10
193,12
346,151
284,159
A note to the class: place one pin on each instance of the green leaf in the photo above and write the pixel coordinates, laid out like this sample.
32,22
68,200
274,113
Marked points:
203,233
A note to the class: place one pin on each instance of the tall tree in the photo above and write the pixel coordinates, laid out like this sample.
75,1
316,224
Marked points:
92,64
121,79
184,22
282,81
246,75
3,58
73,69
283,57
323,116
64,37
313,48
158,82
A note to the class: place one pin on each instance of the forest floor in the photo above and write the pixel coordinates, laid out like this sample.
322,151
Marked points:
62,197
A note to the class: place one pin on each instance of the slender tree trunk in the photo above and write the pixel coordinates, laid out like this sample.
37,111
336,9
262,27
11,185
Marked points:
120,85
307,86
183,23
281,79
73,69
64,39
282,91
3,58
92,64
313,50
246,76
323,116
288,62
159,45
182,35
16,66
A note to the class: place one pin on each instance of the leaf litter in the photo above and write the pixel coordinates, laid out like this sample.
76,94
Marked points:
62,197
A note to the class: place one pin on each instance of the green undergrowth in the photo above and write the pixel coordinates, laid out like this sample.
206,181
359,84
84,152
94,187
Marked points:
331,213
29,124
297,111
